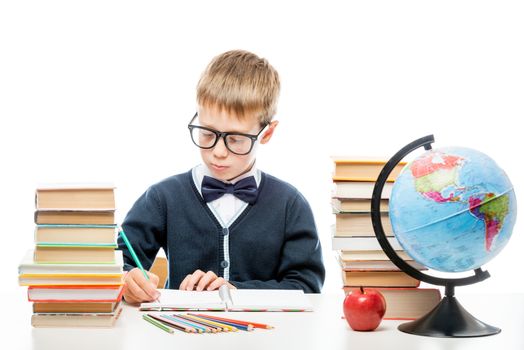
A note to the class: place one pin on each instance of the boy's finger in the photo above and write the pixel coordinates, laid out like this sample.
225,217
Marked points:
205,280
195,277
184,283
135,294
149,288
216,283
153,278
144,284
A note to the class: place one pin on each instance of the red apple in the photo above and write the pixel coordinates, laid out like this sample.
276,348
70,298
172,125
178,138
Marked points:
364,309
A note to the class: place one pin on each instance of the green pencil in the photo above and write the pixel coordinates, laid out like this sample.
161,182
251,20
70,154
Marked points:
132,251
156,323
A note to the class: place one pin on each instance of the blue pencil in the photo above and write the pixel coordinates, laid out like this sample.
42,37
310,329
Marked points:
132,251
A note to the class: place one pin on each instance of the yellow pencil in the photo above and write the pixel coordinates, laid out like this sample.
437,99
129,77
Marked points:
225,327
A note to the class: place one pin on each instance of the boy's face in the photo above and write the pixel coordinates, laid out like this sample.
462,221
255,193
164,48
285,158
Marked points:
223,164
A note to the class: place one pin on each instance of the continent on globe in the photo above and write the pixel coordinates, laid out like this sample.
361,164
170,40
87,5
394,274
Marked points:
435,172
492,210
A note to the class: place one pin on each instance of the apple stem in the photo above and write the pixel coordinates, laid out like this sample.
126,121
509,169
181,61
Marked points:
361,290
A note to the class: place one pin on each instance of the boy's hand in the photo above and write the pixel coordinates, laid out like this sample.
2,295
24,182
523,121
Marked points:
200,280
138,289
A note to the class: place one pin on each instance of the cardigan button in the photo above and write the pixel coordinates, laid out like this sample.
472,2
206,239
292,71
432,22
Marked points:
225,231
224,264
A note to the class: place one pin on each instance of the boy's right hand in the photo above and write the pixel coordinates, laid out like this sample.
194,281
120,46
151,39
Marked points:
137,289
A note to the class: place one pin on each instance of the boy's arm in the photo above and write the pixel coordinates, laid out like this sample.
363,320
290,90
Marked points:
144,226
301,265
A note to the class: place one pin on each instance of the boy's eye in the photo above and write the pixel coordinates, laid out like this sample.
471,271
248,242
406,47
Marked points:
236,139
205,133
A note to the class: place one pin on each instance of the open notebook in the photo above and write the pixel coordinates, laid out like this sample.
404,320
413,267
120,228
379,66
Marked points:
226,299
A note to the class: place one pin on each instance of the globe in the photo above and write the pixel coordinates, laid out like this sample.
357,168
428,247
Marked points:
452,209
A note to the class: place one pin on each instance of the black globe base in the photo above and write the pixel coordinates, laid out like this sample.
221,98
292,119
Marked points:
449,320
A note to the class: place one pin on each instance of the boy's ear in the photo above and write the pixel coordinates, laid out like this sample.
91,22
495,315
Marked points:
266,136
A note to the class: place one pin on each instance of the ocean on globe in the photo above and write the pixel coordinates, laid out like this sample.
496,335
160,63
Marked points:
453,209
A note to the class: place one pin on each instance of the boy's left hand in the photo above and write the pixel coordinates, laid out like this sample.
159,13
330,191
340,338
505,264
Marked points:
200,280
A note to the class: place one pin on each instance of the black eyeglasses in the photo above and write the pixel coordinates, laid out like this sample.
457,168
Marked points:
236,142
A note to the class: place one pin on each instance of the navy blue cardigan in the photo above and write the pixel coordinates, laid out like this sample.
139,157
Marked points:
273,244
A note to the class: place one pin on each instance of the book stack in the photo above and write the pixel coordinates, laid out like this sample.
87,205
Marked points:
360,256
74,274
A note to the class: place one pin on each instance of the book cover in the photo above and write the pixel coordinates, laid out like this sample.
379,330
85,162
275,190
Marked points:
359,224
76,319
360,243
356,278
71,254
74,307
75,234
359,190
87,217
374,264
379,254
29,267
75,293
75,196
226,299
349,205
70,279
362,168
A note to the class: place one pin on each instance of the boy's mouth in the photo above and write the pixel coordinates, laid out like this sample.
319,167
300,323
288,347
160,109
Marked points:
218,167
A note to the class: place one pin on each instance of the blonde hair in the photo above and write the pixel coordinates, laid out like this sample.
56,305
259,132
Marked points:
241,83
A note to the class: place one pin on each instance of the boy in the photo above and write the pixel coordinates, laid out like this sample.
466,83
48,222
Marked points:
226,222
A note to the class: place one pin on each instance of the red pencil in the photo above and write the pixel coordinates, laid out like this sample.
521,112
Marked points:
244,323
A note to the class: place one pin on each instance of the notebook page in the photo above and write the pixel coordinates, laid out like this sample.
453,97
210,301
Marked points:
269,300
174,299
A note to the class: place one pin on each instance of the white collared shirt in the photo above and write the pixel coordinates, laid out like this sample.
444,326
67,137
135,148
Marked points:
226,208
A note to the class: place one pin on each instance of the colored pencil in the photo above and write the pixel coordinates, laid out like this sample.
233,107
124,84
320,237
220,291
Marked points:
224,326
157,323
254,324
173,324
198,328
235,325
213,328
132,251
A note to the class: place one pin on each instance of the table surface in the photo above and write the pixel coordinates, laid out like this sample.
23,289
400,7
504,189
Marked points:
322,329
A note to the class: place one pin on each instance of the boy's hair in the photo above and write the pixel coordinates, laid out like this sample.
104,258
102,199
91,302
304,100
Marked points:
241,83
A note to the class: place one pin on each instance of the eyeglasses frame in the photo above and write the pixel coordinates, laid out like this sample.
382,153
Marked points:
220,134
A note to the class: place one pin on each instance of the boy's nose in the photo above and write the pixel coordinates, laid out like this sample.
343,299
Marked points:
220,149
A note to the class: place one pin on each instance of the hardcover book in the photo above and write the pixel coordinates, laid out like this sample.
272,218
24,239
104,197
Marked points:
362,169
75,196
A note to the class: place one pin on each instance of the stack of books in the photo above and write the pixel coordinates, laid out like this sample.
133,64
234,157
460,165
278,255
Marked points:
74,274
360,256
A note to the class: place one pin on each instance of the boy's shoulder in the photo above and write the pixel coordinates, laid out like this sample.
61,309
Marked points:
279,187
172,182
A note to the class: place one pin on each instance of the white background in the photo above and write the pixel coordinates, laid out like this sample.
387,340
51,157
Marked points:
103,91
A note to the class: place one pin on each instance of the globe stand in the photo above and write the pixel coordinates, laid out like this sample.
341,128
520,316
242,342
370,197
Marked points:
448,319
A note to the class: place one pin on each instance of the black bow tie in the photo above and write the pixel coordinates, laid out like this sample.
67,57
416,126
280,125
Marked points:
245,189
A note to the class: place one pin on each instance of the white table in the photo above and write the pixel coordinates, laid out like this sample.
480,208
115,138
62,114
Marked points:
322,329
